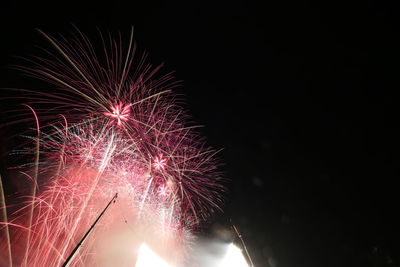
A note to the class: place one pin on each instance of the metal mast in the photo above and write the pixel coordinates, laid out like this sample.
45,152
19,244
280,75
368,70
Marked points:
80,244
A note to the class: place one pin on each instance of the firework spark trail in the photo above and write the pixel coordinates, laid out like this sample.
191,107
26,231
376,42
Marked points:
34,186
122,131
83,207
5,219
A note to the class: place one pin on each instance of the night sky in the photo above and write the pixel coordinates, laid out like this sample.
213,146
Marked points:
302,96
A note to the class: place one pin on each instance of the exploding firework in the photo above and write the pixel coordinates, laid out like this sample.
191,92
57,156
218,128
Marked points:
112,125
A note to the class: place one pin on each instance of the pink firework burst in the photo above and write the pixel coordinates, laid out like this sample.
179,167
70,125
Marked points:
120,113
121,131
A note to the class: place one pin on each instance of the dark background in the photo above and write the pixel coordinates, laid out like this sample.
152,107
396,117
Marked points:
301,95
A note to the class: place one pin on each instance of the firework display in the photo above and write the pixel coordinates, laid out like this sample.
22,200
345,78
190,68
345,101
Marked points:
110,126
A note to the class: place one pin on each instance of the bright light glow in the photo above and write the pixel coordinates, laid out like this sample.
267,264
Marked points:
147,258
233,258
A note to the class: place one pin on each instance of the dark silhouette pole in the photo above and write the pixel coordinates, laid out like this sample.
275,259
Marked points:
80,244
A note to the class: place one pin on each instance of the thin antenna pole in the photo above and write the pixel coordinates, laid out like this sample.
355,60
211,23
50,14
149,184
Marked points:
80,244
243,244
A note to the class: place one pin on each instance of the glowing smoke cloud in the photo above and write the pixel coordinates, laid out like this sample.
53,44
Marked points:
147,258
233,258
111,125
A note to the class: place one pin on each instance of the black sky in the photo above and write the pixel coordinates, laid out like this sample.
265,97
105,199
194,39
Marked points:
302,96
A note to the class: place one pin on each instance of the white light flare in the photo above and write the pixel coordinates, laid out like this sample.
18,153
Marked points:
147,258
233,258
